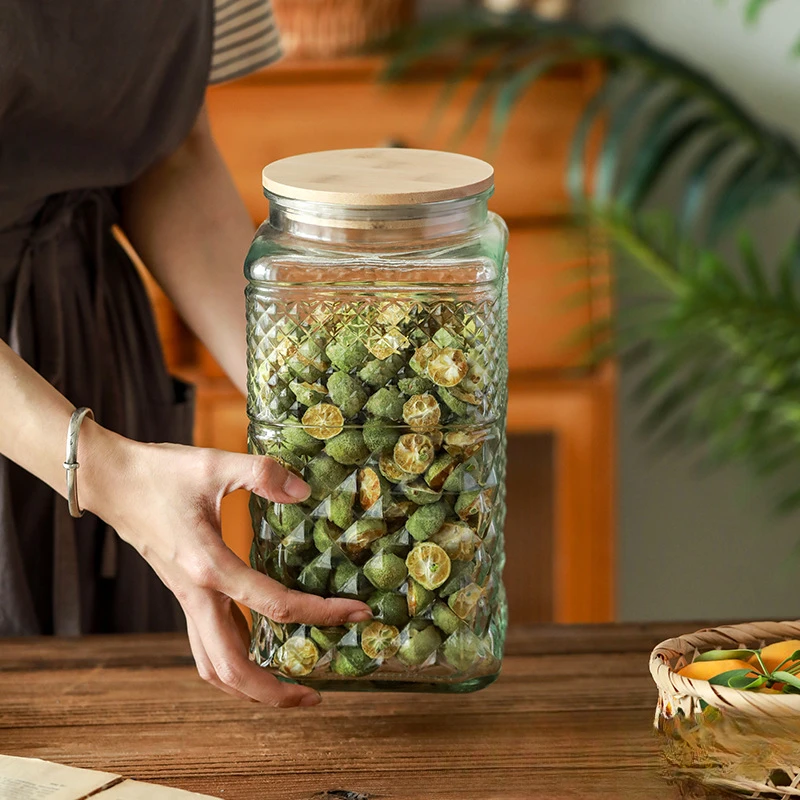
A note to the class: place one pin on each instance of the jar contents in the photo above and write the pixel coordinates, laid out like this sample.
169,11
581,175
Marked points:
388,409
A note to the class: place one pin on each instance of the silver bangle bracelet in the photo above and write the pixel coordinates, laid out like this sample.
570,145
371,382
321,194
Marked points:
71,463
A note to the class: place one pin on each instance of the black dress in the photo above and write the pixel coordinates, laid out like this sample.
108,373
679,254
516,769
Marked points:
91,94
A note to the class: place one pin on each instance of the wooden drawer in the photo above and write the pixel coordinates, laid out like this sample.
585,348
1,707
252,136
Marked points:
283,112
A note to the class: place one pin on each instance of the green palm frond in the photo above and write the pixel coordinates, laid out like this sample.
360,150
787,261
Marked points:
651,104
722,348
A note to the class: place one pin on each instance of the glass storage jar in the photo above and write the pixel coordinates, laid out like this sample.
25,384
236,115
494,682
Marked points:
377,370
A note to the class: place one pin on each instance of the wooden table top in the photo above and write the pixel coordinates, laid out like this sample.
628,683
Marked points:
570,717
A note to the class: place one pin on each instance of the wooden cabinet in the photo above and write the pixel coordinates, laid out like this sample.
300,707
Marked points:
560,533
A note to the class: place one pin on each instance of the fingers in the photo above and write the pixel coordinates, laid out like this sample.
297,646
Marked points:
205,669
228,658
262,475
262,594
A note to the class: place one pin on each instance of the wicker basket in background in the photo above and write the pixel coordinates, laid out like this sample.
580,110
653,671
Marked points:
327,28
742,741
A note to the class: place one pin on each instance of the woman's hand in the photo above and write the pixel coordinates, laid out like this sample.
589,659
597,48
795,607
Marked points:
165,501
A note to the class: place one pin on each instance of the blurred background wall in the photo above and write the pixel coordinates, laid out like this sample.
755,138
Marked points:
692,544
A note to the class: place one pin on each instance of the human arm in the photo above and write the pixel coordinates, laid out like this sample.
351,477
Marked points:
188,224
165,500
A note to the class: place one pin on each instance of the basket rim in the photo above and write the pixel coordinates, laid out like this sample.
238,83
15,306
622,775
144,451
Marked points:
749,634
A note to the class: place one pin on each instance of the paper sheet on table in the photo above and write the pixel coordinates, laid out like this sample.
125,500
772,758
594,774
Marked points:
33,779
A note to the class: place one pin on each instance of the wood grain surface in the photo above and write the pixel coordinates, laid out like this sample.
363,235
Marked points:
570,717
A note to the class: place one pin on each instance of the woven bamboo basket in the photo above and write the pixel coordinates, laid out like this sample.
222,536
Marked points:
327,28
744,742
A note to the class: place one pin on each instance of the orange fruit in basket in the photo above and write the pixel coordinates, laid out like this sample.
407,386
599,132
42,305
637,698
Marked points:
774,655
705,670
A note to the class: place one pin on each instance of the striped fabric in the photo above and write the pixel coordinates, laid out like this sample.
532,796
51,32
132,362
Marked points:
246,39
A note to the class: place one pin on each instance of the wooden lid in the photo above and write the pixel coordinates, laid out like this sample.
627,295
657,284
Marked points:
382,176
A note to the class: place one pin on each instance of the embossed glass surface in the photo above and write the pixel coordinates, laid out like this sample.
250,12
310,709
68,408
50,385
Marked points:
377,371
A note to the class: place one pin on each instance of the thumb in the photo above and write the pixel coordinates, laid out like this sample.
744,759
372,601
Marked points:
262,475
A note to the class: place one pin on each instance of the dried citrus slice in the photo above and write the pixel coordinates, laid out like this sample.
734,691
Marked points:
464,603
391,471
369,488
421,412
473,398
388,343
422,356
457,539
414,453
428,565
464,443
379,640
297,657
448,367
323,421
393,312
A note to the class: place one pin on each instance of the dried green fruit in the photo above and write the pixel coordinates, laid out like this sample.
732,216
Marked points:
386,403
356,540
446,339
323,475
420,493
349,581
298,440
472,503
441,469
413,453
314,577
326,638
461,478
348,393
420,645
426,521
385,571
347,448
445,618
377,373
346,352
415,385
285,518
458,407
464,650
379,435
418,598
460,576
308,362
389,607
340,509
325,535
309,394
352,662
398,543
